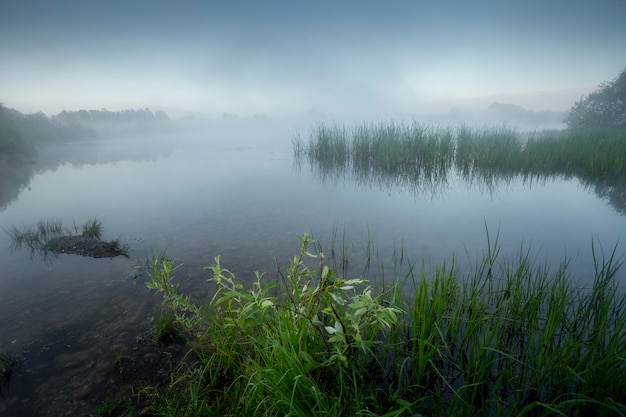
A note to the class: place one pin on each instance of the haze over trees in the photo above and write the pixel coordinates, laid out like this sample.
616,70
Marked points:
22,133
91,117
509,113
604,108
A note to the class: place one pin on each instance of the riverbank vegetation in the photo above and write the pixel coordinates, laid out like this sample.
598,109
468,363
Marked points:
511,337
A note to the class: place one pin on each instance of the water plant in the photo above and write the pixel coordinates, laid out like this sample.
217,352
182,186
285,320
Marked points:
8,365
165,329
50,237
511,337
421,158
35,238
92,228
106,409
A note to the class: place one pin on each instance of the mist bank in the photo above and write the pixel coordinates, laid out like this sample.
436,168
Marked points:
21,134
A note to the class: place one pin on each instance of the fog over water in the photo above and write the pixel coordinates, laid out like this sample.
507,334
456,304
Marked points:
240,82
233,188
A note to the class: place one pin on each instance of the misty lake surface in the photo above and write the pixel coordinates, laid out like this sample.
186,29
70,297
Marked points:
237,192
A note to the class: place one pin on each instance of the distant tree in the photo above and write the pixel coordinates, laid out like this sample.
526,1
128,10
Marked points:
605,107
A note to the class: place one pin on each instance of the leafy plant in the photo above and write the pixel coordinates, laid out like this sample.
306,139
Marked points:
305,349
511,338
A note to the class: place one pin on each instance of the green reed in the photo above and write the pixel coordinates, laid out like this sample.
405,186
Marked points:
420,157
34,238
92,228
39,239
510,337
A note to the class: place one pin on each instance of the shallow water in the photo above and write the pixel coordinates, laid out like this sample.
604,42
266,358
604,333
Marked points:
238,194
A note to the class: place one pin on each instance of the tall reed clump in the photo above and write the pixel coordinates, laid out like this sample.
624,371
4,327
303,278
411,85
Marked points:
387,153
512,338
487,150
420,157
36,237
582,153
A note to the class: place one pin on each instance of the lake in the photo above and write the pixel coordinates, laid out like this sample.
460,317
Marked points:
233,189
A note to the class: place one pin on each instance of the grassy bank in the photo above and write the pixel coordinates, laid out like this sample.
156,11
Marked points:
509,338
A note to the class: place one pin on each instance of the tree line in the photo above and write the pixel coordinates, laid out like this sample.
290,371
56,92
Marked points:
21,133
604,108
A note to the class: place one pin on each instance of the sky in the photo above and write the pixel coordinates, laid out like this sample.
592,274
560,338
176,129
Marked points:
370,58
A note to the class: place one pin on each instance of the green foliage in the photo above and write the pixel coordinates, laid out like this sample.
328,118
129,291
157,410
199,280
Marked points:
305,352
106,409
604,108
511,338
165,329
92,228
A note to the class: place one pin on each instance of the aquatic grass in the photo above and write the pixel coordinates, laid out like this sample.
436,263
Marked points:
421,158
510,337
34,238
505,339
49,237
106,409
384,153
165,329
92,228
8,365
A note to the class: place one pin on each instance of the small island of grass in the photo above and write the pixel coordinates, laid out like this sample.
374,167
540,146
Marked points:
50,237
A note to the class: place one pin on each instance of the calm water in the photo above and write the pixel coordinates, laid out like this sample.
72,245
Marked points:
236,193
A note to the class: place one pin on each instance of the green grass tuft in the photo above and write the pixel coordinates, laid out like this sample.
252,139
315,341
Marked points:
92,228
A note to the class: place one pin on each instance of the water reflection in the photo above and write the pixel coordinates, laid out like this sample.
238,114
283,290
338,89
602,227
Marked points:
234,194
16,174
485,164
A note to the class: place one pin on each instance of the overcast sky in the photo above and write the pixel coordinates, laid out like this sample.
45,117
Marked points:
287,57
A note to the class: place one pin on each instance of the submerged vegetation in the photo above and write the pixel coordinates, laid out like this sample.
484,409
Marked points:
8,364
50,237
509,338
